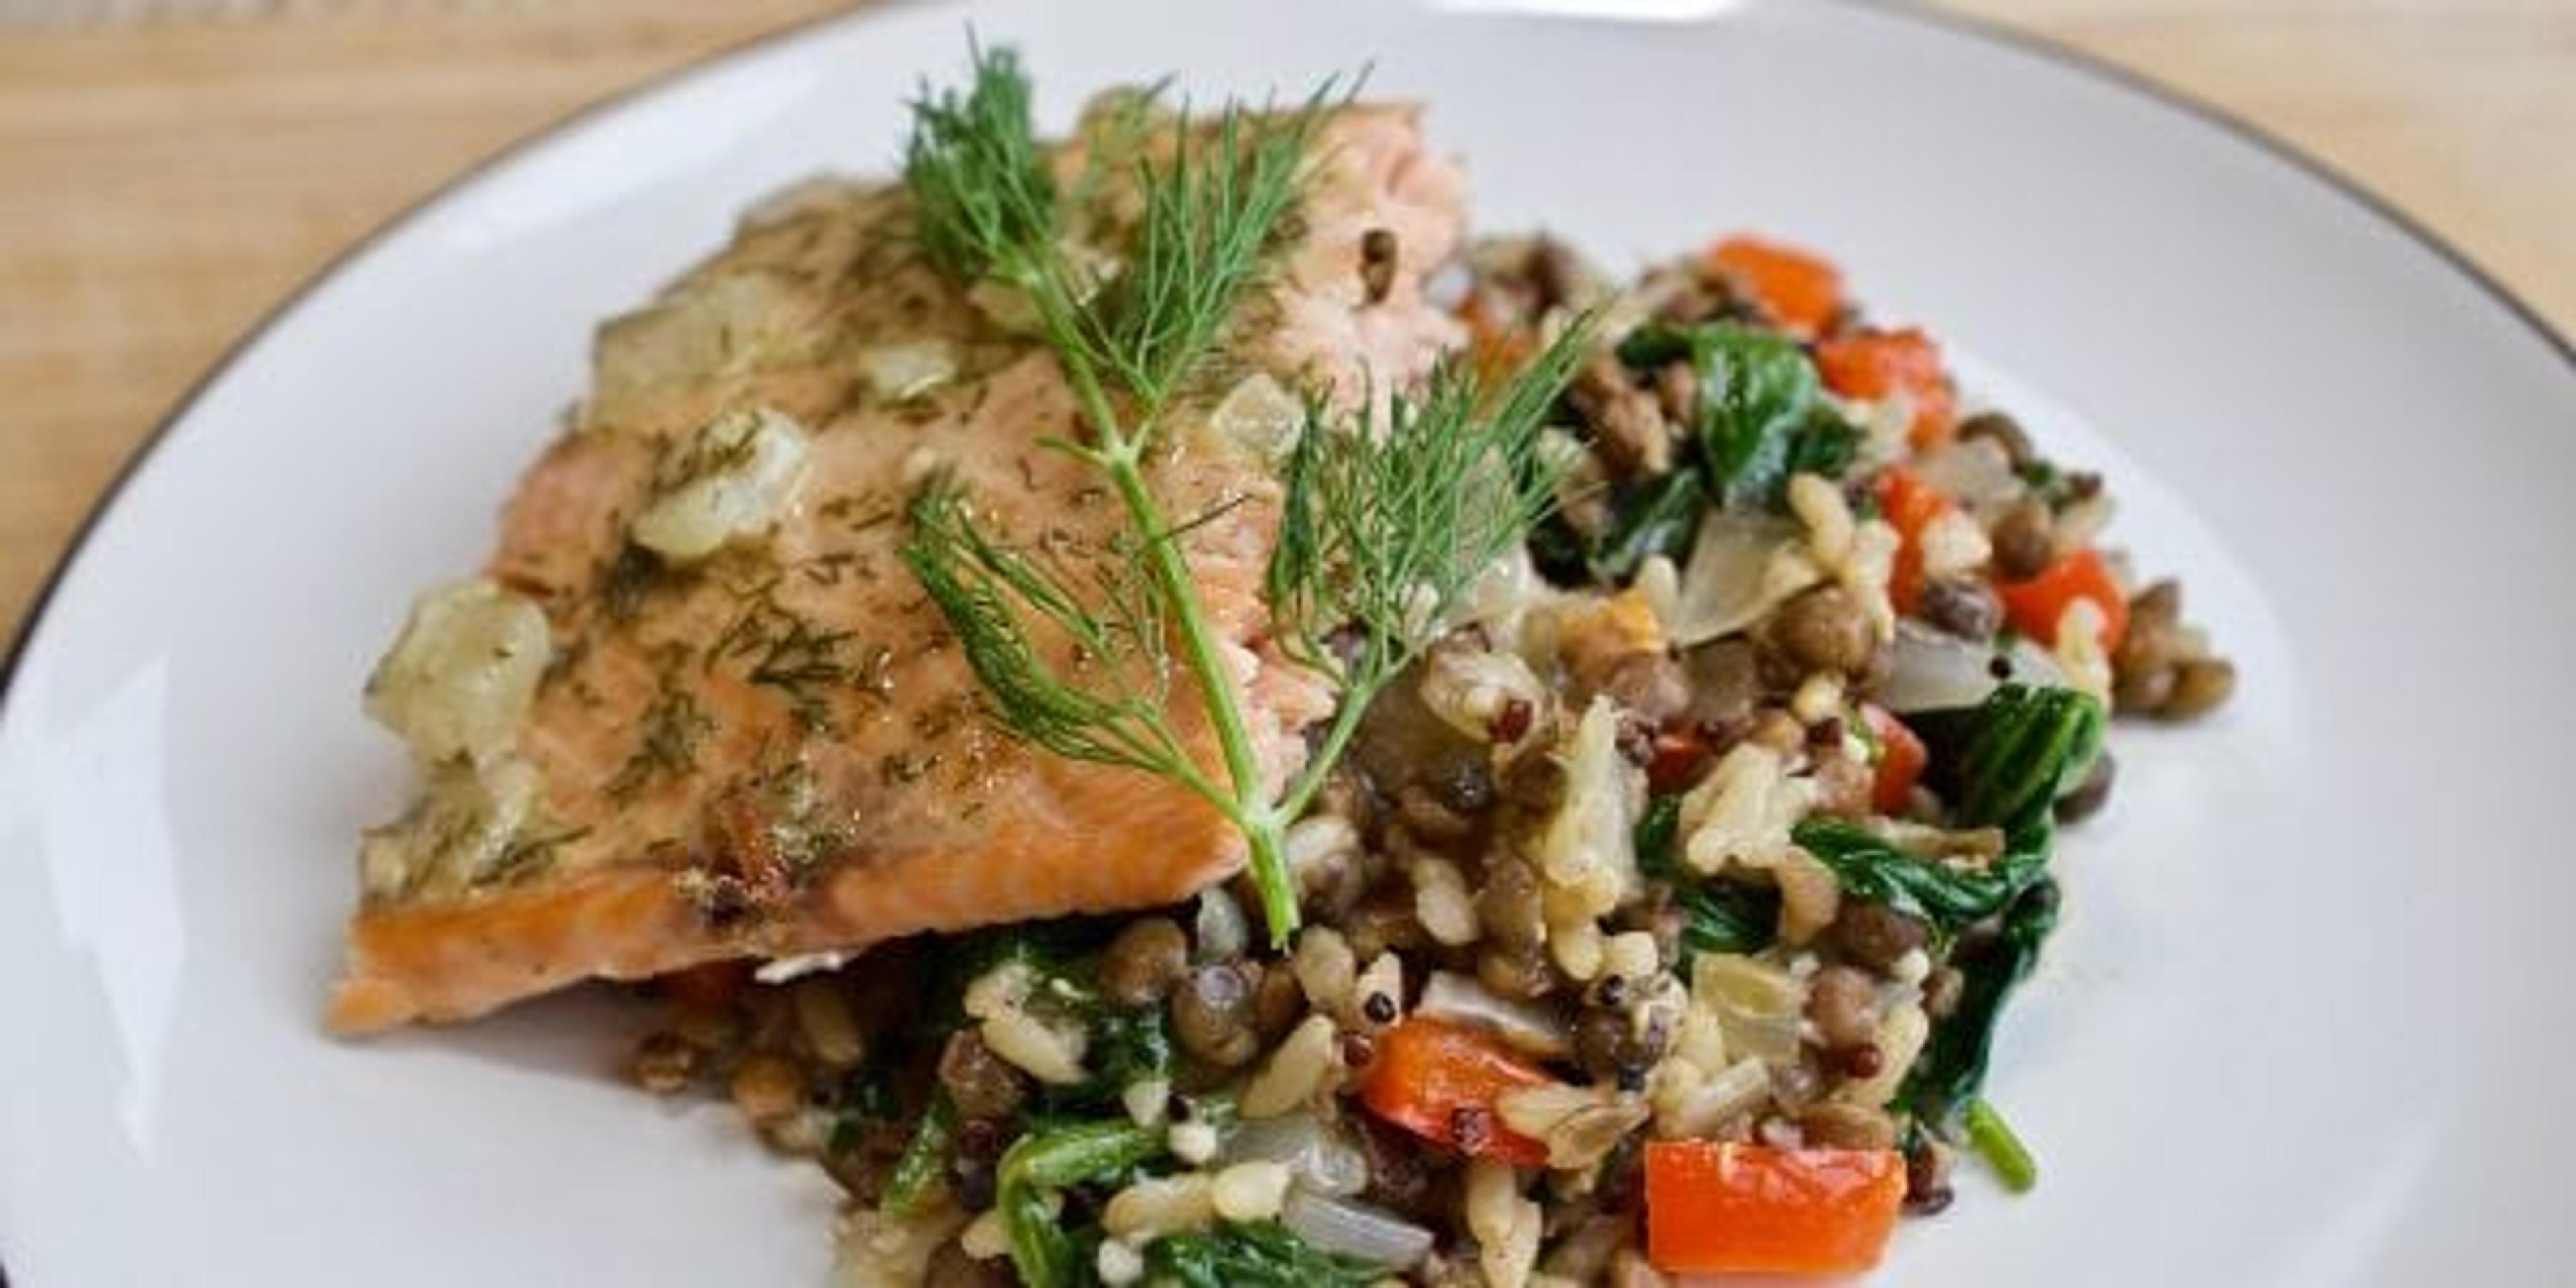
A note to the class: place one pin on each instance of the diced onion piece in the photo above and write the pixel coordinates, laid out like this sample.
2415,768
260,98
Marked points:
1975,472
1354,1230
464,822
747,465
1451,996
462,672
896,372
1591,828
1741,567
2035,666
702,329
1930,670
1258,415
1321,1157
1703,1106
1757,1006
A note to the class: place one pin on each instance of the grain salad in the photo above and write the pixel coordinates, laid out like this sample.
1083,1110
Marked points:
1166,716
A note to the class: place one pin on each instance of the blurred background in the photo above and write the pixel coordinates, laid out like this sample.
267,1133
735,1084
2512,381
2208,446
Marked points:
171,169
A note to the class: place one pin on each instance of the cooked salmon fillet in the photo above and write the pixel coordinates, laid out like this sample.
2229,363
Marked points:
696,709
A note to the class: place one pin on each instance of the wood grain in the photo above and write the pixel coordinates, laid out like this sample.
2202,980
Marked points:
164,183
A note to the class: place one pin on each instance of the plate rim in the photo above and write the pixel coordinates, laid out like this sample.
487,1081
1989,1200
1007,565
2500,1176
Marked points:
2222,121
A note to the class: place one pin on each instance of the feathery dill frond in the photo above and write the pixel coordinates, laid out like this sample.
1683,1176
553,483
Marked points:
986,202
1109,706
1381,532
989,208
1212,211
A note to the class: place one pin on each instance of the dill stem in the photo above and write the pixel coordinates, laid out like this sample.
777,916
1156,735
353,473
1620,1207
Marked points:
1354,704
1259,822
1263,826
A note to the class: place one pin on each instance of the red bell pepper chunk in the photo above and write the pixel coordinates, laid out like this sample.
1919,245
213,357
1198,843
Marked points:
2036,607
1800,290
1909,505
1717,1208
1901,757
1443,1082
1884,364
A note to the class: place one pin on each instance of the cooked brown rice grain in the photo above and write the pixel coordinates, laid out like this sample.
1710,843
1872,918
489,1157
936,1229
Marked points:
985,1238
1296,1072
1051,1053
1441,902
1630,955
1819,698
1249,1191
1318,844
1325,969
1156,1206
1380,989
1505,1224
823,1016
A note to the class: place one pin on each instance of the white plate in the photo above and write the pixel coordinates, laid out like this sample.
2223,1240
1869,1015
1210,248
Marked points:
2307,1019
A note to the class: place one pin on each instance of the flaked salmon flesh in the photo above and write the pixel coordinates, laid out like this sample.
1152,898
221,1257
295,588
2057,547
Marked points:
779,750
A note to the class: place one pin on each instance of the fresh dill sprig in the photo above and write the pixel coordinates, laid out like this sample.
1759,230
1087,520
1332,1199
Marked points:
1382,531
994,599
1210,214
987,203
1386,527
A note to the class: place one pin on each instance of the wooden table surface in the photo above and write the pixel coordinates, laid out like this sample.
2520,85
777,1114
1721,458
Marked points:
165,181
